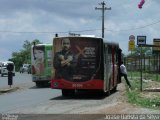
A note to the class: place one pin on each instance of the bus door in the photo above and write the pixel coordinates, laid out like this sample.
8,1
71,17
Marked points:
114,66
119,57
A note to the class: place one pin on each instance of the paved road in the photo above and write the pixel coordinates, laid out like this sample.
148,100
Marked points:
27,94
23,99
31,100
17,79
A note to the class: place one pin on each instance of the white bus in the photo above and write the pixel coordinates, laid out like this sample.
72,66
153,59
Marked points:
4,70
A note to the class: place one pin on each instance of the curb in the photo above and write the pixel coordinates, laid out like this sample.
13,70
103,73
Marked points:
152,89
5,90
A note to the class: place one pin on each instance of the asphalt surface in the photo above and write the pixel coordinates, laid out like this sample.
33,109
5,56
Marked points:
26,101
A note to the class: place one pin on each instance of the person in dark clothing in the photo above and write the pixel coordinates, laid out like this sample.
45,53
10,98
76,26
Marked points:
124,73
64,61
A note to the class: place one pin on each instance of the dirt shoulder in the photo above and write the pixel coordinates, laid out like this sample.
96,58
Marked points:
122,106
14,88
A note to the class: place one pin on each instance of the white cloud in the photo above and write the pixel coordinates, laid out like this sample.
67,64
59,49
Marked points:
70,15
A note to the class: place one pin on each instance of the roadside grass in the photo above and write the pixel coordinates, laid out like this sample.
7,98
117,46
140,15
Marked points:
145,75
145,98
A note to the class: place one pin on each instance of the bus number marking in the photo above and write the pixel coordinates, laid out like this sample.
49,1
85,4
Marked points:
77,85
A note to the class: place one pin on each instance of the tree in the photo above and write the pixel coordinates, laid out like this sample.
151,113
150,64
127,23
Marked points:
24,55
137,51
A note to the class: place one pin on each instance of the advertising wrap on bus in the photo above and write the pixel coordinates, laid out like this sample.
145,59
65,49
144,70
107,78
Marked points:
41,63
77,60
81,62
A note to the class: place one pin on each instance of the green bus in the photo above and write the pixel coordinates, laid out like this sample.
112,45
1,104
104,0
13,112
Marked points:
41,64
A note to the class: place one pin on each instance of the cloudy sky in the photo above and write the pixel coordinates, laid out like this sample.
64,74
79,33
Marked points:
22,20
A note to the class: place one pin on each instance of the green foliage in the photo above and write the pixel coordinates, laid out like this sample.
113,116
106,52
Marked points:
137,50
24,55
136,97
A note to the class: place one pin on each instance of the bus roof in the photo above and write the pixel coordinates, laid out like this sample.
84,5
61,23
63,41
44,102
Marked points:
45,44
83,36
6,62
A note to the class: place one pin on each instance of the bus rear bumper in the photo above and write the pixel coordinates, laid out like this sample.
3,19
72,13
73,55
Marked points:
64,84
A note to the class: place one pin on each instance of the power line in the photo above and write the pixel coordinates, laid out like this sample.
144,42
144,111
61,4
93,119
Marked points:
87,30
36,32
140,27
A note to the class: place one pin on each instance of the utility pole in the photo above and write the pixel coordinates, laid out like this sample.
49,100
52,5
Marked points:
103,8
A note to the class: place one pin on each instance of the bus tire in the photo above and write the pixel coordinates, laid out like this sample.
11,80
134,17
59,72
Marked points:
114,89
39,84
66,92
106,93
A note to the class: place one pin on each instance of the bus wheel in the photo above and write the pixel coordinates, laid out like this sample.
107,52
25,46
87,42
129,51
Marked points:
114,89
66,92
106,93
39,84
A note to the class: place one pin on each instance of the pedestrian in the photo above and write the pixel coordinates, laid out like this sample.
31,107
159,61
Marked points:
124,73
